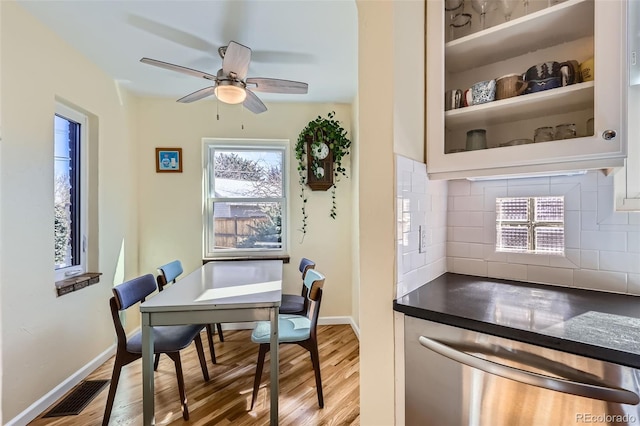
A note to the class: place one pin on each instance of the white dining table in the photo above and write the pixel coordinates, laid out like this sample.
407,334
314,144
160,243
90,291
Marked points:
218,292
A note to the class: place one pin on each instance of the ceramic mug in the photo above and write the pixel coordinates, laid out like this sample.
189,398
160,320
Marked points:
549,75
570,72
483,92
586,70
452,99
467,98
510,85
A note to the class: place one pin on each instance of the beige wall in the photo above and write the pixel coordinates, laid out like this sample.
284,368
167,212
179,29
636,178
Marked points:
376,221
391,120
46,339
171,203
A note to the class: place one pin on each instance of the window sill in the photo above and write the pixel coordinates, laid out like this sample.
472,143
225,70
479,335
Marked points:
77,282
283,257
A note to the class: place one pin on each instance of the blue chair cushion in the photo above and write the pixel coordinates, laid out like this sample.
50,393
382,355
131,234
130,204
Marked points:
134,290
291,328
291,304
170,338
172,270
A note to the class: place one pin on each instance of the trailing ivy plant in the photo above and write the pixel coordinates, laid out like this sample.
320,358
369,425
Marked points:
327,130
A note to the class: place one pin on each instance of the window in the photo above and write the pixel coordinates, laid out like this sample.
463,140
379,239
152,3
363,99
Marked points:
245,196
530,225
69,192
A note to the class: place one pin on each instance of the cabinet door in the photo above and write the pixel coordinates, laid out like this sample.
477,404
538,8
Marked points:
571,30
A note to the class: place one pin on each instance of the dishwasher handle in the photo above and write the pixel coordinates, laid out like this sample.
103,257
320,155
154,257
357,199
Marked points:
602,392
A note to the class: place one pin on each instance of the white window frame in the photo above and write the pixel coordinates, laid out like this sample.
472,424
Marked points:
209,144
78,117
530,224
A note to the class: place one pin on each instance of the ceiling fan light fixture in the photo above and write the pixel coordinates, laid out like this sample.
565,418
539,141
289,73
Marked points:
229,93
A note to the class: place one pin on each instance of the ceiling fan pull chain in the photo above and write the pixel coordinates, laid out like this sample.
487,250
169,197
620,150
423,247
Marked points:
217,109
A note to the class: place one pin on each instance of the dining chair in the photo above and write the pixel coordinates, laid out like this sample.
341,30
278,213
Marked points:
298,304
169,340
168,274
296,329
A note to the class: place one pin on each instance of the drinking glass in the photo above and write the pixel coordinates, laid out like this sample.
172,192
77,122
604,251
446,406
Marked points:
460,25
565,131
482,7
507,7
476,139
454,7
543,134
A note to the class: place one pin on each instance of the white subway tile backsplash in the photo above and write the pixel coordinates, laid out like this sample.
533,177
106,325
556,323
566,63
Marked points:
600,280
459,187
589,259
507,271
528,259
633,243
457,249
403,164
465,218
469,203
572,229
468,234
605,180
469,267
589,220
598,240
571,194
533,181
476,251
492,255
571,259
548,275
528,191
634,218
619,262
633,284
490,195
588,201
419,202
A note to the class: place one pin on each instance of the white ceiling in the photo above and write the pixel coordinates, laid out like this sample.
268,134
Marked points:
314,41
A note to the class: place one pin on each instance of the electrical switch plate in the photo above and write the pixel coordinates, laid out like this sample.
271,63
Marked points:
422,243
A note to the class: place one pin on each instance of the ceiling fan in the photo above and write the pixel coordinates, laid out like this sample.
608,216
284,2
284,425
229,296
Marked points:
230,84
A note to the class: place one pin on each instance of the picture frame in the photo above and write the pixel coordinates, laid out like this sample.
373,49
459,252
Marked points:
168,160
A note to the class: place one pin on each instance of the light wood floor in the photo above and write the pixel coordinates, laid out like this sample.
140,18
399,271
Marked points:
226,398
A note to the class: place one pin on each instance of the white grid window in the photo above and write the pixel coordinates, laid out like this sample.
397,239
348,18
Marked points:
245,196
530,225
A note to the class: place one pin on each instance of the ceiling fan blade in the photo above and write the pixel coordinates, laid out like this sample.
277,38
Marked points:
236,60
253,103
274,85
197,95
178,68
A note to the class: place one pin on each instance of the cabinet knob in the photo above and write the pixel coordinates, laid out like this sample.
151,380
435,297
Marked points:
608,135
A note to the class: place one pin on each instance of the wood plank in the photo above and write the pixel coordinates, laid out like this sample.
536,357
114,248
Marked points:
226,398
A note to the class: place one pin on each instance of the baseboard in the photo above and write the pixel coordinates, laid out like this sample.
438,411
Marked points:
38,407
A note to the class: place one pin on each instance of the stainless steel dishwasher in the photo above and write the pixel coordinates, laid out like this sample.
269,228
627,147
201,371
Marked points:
461,377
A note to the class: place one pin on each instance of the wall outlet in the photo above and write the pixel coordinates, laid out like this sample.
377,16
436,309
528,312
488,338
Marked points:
422,242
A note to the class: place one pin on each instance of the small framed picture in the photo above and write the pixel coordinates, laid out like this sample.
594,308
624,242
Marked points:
168,160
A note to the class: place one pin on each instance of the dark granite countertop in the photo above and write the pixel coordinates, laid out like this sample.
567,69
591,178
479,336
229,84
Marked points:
595,324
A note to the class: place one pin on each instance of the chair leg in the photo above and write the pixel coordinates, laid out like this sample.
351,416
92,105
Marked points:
209,328
315,360
113,387
256,381
220,336
203,361
175,356
156,362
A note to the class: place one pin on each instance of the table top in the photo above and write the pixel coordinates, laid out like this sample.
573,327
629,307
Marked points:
599,325
222,285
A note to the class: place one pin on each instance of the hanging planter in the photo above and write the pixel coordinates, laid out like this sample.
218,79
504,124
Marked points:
321,147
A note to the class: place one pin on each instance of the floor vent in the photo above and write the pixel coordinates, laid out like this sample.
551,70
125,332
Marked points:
79,398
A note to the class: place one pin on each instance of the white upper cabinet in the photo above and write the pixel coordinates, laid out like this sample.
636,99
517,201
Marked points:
570,30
